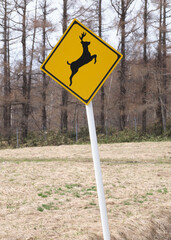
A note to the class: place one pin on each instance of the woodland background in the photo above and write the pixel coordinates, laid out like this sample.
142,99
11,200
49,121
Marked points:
135,101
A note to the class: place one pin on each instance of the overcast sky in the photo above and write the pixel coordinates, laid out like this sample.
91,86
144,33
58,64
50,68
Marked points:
109,22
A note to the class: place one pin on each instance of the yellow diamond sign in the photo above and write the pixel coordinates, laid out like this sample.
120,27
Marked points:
81,61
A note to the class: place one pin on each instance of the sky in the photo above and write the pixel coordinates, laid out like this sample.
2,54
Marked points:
109,21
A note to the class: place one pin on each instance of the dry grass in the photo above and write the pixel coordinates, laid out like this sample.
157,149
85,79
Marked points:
118,151
57,199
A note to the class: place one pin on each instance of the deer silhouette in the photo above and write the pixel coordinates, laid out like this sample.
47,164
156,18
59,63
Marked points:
85,58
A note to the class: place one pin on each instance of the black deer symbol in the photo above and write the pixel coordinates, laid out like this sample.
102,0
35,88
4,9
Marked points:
85,58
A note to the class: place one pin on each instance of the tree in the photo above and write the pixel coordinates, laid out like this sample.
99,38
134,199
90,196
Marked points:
102,116
6,67
25,105
26,75
45,82
145,61
161,65
21,8
121,7
46,27
64,112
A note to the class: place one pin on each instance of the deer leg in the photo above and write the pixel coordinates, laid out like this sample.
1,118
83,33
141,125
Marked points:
73,73
71,80
94,56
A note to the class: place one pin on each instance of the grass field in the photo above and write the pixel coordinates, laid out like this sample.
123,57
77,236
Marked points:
49,193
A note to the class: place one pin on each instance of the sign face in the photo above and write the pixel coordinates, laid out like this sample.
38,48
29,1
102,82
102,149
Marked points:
81,61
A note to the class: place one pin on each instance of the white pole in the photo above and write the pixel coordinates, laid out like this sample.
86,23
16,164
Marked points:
98,174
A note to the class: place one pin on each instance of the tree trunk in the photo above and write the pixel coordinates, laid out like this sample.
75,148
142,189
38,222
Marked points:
162,113
102,115
122,119
161,66
121,7
64,112
25,104
45,84
164,67
144,87
6,77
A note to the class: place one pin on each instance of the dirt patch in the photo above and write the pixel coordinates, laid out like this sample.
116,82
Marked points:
51,200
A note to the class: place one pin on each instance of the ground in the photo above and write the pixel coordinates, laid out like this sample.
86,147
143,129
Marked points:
49,193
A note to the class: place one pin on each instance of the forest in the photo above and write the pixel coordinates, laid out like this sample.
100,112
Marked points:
133,104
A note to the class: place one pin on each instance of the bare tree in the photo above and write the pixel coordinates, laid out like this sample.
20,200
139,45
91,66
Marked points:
102,116
45,82
121,7
162,64
64,112
6,67
46,27
145,60
21,8
26,73
29,100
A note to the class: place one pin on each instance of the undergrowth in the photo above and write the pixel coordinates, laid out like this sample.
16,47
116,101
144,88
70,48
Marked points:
55,138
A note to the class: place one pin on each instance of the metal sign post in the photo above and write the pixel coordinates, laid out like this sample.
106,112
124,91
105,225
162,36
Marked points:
97,168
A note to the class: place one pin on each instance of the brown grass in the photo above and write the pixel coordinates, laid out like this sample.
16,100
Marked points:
57,199
118,151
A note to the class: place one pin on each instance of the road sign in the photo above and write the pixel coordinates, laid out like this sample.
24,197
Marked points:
81,61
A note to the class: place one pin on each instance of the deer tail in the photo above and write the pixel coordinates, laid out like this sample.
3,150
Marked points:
68,63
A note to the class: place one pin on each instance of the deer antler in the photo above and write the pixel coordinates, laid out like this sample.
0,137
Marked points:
82,36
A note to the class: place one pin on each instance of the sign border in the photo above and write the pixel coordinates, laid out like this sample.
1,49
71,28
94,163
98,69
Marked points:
43,66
